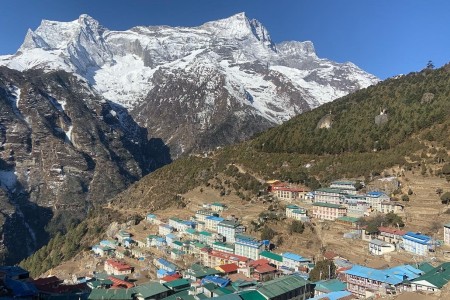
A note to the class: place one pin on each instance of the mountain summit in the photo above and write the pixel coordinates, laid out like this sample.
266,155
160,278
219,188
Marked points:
193,87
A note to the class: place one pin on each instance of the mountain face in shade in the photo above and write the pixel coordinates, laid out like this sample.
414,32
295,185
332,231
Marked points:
63,149
195,88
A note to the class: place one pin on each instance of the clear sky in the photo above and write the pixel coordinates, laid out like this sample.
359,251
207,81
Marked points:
384,37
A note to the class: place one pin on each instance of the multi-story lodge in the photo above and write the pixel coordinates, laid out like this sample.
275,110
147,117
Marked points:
328,211
229,229
391,235
328,195
296,212
375,198
367,282
248,246
115,267
289,194
346,186
417,243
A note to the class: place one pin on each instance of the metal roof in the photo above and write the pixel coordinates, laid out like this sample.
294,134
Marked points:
281,285
271,255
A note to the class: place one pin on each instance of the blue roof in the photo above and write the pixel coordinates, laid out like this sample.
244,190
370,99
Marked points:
331,285
151,216
214,218
417,237
20,289
12,271
171,236
217,280
333,295
375,194
160,239
294,257
167,264
393,275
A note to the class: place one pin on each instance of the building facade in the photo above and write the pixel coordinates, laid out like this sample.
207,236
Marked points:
248,247
328,211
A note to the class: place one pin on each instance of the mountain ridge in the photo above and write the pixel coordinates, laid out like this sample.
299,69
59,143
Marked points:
132,67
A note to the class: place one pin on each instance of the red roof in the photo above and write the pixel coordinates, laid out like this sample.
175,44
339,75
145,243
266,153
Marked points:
119,283
258,262
170,278
118,265
329,255
391,230
229,268
265,269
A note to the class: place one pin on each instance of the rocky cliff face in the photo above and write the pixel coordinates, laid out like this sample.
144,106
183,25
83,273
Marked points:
197,87
63,149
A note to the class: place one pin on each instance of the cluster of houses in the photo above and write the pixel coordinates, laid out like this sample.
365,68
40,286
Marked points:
336,202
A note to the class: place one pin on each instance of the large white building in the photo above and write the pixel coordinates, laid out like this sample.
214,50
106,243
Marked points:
417,243
248,247
229,229
378,247
211,222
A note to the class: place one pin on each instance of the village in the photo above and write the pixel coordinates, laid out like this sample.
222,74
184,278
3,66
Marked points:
208,252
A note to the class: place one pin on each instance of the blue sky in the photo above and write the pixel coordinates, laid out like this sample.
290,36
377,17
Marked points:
384,37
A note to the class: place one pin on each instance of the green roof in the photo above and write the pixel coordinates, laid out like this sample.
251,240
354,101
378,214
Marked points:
178,243
199,245
292,206
184,295
281,286
205,233
438,277
323,204
199,271
447,225
218,204
191,231
224,245
150,289
348,219
271,255
177,284
210,286
425,267
112,294
251,295
201,296
222,291
328,286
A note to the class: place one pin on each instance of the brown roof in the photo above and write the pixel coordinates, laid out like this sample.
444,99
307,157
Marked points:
46,281
228,268
391,230
266,268
329,255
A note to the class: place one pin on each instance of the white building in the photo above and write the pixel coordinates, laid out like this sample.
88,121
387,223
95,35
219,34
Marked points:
248,247
347,186
114,267
211,222
417,243
229,229
294,261
200,215
328,195
164,229
378,247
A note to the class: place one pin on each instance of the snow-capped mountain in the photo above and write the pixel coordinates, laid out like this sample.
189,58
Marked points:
224,80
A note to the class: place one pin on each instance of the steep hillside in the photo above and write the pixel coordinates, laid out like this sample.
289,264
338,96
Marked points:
240,169
63,150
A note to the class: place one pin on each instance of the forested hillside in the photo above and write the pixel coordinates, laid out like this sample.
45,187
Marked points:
413,132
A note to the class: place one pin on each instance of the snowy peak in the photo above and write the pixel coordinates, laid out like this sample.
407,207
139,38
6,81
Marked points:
54,35
261,33
297,49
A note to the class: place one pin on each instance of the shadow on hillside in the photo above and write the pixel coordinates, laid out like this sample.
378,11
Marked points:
159,153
